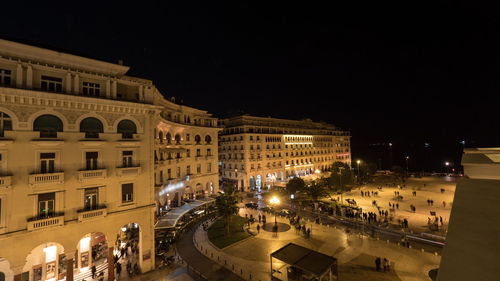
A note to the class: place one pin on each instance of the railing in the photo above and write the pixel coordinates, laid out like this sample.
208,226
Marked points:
92,174
46,178
95,212
38,222
5,181
128,171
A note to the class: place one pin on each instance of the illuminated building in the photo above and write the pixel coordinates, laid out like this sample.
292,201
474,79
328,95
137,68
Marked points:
78,139
255,151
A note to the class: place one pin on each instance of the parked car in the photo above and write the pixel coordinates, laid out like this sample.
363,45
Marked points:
252,205
286,212
267,209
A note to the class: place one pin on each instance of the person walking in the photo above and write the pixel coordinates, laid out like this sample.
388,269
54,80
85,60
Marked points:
386,265
444,204
432,202
118,268
441,220
377,263
397,206
94,270
258,228
260,218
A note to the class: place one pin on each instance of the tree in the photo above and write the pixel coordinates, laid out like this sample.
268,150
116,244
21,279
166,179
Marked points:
399,172
316,190
226,205
340,177
367,171
294,185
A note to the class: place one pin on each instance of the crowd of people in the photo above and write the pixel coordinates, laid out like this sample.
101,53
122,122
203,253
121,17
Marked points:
127,253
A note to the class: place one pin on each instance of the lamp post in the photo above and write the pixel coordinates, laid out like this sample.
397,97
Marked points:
447,164
359,161
407,158
341,191
274,201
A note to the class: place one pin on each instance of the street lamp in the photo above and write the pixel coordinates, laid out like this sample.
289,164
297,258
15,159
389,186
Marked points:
341,193
407,158
447,164
359,161
274,201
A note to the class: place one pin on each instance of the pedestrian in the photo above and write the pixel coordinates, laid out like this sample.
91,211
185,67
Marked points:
118,268
260,218
428,220
377,264
94,270
428,202
441,220
397,206
122,252
386,265
444,204
258,228
432,202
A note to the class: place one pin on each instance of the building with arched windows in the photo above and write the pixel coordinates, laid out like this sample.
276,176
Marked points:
258,152
85,152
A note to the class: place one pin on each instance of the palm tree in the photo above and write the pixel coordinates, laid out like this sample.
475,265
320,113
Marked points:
226,205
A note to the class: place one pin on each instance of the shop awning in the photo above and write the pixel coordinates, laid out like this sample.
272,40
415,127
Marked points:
172,217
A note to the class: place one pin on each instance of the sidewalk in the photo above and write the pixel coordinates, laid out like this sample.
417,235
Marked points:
209,269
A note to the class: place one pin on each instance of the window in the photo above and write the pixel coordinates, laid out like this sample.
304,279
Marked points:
169,173
127,128
188,170
46,204
5,123
91,127
48,126
198,152
177,139
197,139
51,84
91,160
127,158
91,198
198,168
187,137
178,172
208,139
91,89
5,77
127,192
209,167
209,152
188,152
47,163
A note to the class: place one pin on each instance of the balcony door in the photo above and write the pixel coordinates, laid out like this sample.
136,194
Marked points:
47,163
91,160
91,198
46,204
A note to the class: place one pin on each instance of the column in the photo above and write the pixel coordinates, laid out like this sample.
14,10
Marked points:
68,83
111,263
19,76
29,77
70,258
113,89
141,93
76,85
108,89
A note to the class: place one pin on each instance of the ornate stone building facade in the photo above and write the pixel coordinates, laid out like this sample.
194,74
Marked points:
255,152
83,151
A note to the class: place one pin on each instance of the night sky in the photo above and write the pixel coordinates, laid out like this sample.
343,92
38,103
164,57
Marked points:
387,71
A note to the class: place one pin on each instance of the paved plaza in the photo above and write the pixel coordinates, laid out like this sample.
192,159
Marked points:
356,254
418,219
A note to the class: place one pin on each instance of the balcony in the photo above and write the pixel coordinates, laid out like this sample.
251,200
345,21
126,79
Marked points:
5,181
92,174
35,179
209,157
128,171
99,211
36,223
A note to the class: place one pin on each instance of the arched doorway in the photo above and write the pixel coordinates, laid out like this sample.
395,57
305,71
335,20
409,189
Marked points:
46,262
127,249
252,183
91,250
2,276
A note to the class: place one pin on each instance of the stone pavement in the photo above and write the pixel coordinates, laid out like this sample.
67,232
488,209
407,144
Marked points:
251,256
417,220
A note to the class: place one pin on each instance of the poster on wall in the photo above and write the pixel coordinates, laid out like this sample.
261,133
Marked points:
50,270
37,273
84,259
62,266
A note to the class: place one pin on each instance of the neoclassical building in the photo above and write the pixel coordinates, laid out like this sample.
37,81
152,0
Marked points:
87,156
256,151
